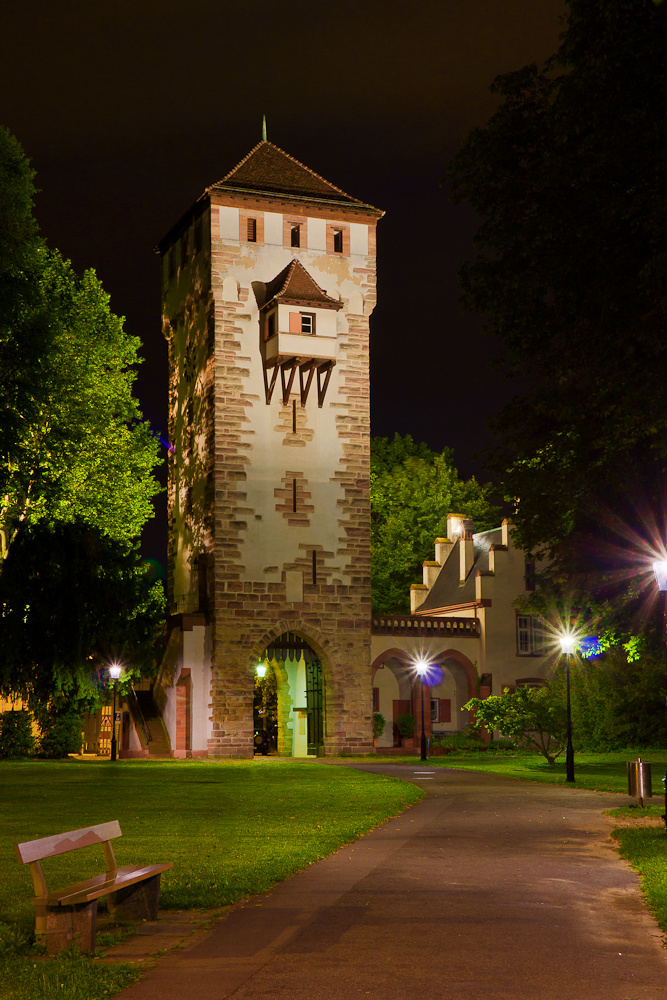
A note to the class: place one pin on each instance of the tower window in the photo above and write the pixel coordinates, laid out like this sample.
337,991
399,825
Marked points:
252,230
271,326
338,240
307,323
294,496
294,416
295,236
314,566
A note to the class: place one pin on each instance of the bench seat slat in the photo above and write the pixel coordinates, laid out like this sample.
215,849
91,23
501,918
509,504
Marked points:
100,885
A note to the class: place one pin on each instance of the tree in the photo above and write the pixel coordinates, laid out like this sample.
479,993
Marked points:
618,701
25,333
532,716
568,178
72,600
72,443
412,491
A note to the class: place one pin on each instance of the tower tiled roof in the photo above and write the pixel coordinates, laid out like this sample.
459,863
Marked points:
294,284
270,170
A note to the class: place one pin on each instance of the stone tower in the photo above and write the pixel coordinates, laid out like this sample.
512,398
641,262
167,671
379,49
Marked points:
268,283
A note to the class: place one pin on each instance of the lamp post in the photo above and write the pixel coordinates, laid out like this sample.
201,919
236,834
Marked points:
421,670
260,670
567,644
115,670
660,570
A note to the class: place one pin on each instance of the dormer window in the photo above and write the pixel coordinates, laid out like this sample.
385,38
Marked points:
295,236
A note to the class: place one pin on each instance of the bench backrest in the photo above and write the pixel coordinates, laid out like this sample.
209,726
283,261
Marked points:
61,843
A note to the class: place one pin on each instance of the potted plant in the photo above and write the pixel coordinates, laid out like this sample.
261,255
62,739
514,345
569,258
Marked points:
379,722
406,729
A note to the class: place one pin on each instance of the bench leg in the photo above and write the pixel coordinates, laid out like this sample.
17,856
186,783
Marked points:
140,901
63,926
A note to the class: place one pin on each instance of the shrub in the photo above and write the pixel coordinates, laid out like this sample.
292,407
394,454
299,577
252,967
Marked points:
16,739
379,723
463,742
406,725
532,716
60,735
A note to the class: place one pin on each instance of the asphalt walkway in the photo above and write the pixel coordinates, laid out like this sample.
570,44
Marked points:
489,889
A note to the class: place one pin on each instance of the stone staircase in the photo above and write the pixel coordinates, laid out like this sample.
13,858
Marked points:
159,745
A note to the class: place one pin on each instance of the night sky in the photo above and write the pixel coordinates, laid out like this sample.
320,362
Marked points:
128,110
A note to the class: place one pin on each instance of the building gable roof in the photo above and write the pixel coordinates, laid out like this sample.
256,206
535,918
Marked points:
295,285
447,590
269,170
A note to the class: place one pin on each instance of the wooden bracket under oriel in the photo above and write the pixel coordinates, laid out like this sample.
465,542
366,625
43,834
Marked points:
309,371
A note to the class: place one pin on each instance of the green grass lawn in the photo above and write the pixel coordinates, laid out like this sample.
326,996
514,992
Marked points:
232,828
602,772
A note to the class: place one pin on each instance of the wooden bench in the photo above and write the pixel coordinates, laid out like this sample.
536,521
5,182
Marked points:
68,916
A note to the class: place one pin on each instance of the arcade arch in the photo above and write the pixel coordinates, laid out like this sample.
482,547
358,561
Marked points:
396,690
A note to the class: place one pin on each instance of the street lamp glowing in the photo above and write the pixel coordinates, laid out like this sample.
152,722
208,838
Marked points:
567,644
421,666
660,570
260,670
115,670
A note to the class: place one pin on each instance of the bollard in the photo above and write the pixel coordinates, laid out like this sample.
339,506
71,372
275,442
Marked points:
639,780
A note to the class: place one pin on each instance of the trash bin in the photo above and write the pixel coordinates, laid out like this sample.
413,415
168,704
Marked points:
639,780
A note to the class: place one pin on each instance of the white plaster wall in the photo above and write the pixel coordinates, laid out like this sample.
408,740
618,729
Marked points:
317,234
229,223
501,657
447,689
268,458
135,742
169,710
358,238
387,684
273,228
196,656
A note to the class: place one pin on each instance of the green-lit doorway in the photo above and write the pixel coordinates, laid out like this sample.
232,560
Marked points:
300,695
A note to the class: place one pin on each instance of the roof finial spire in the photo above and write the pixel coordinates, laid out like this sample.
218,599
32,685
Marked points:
263,128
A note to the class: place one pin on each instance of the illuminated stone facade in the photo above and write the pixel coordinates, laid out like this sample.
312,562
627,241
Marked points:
268,285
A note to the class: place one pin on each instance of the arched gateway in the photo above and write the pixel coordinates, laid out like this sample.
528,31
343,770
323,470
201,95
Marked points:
268,286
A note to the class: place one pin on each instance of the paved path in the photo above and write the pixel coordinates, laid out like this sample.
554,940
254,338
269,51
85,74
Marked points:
489,889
